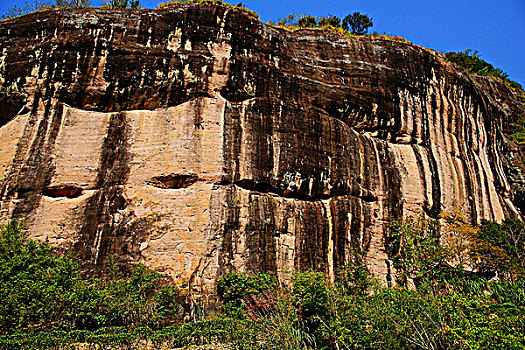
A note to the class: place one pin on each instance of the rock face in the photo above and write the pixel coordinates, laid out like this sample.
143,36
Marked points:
202,141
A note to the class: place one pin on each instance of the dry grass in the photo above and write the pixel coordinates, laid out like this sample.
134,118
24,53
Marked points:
216,2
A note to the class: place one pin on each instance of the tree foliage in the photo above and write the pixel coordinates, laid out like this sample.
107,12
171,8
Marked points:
472,62
414,246
47,304
41,289
307,22
357,23
329,20
502,247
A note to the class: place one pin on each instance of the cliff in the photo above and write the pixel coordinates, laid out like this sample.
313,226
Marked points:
201,141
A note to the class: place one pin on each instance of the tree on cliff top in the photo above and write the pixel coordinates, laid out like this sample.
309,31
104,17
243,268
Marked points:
357,23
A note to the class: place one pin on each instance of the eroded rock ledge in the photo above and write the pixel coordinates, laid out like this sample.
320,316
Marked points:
202,141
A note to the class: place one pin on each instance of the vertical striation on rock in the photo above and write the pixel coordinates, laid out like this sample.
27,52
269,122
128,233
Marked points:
202,141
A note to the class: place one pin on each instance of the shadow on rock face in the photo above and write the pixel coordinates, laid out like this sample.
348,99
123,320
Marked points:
10,106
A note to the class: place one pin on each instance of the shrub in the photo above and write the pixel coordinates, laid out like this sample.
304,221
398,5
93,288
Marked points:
518,131
329,20
238,291
307,22
131,307
41,289
310,294
35,282
121,4
472,62
353,24
355,278
135,298
414,246
506,242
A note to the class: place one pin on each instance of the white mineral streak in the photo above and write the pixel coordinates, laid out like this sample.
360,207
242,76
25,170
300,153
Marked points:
174,40
330,256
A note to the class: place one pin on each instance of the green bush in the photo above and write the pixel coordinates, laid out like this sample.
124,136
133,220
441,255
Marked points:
41,289
414,246
310,294
472,62
329,20
517,130
138,298
509,238
46,304
355,278
307,22
237,291
357,23
35,282
403,319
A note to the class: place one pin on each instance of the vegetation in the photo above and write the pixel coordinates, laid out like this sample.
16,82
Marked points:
518,134
37,5
42,290
351,25
444,298
472,62
501,247
447,307
355,24
236,291
423,248
454,285
121,4
239,6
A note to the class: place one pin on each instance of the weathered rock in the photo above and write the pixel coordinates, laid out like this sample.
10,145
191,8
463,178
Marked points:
202,141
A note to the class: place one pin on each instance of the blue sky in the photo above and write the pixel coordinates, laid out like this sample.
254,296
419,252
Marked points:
496,28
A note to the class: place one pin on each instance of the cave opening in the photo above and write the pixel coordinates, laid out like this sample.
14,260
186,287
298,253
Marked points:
62,191
173,181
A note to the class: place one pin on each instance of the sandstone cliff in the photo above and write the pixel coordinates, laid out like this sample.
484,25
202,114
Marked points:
202,141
